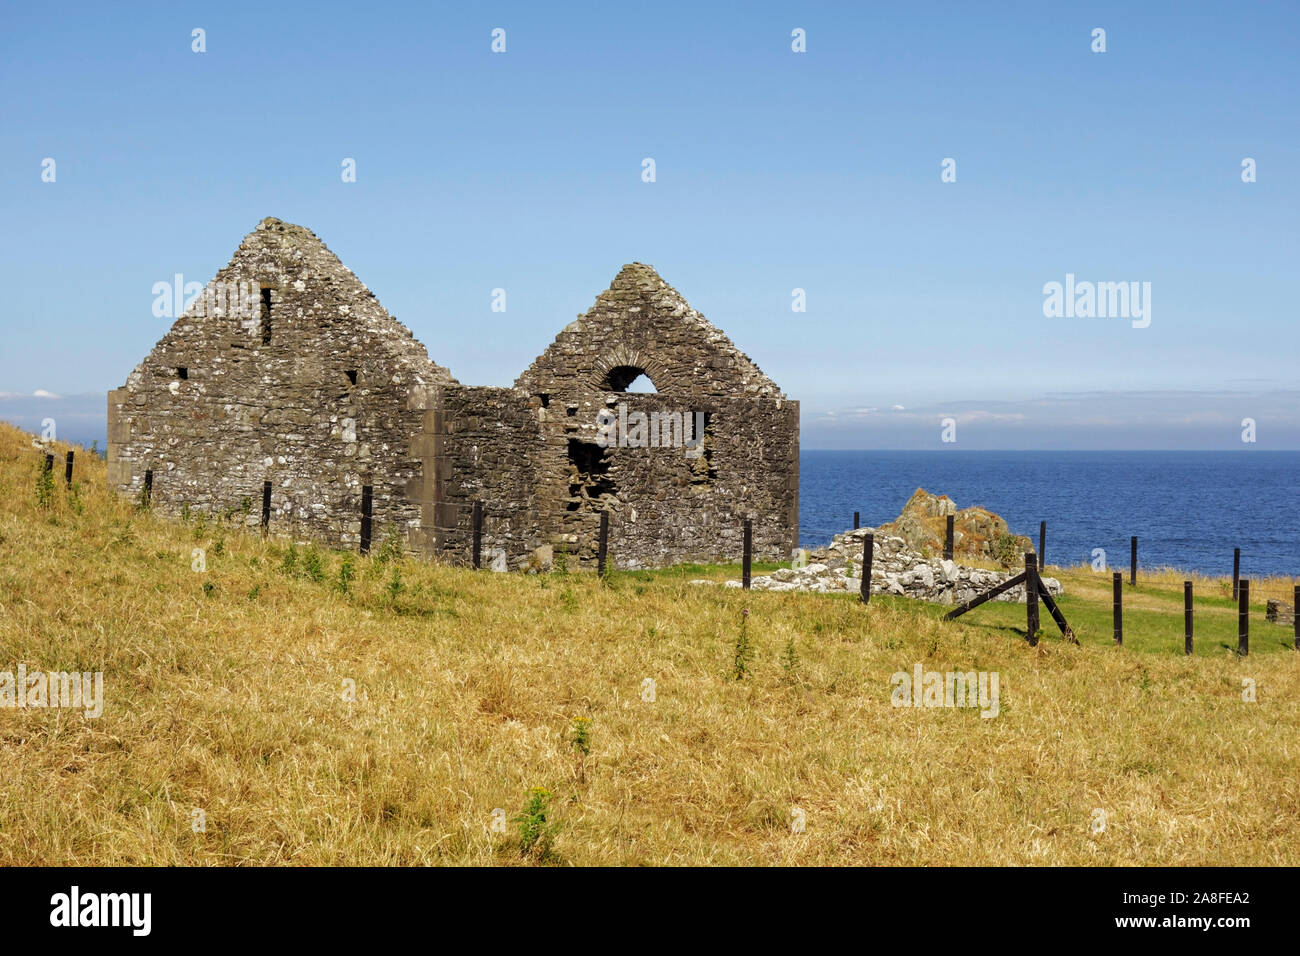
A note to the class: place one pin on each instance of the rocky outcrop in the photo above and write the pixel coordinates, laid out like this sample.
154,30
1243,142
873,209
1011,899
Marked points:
978,532
895,569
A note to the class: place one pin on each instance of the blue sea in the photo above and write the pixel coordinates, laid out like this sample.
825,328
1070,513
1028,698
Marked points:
1188,509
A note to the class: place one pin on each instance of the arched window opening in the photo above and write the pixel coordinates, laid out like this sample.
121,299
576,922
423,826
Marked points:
628,378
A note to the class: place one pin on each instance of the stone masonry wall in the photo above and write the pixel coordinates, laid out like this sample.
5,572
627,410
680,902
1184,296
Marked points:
485,445
320,391
269,397
665,506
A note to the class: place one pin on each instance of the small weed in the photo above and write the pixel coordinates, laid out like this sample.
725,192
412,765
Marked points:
391,550
535,833
44,487
744,653
580,740
580,735
313,565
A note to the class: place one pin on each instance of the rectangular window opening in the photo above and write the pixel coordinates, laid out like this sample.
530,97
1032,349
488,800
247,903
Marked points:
182,372
266,316
703,471
352,376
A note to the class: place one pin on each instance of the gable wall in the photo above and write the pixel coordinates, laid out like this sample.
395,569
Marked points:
284,411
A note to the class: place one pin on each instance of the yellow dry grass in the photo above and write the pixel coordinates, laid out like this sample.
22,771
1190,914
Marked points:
230,700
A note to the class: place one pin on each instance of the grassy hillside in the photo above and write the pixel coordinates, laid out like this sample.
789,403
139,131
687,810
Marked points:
225,692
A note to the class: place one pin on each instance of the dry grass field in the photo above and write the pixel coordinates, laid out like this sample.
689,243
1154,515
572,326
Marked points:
228,692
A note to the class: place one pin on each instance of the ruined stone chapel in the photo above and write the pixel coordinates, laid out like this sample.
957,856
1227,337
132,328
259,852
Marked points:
302,392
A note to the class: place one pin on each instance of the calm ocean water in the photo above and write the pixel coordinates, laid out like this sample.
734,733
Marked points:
1188,509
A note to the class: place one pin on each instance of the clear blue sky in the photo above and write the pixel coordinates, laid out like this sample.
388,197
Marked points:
775,170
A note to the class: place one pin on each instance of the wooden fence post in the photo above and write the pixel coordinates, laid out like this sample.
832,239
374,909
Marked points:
868,555
1187,617
1045,596
367,507
1243,619
148,486
1118,580
989,595
49,462
1042,544
1236,572
1133,562
947,540
855,521
477,524
602,549
1031,596
745,560
67,471
1295,616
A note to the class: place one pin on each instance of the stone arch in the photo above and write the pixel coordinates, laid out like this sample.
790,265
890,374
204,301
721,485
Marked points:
616,370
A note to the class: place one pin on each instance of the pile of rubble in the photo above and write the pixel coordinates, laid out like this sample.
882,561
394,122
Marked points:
895,569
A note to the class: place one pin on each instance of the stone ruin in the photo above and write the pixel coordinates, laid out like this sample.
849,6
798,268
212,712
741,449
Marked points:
895,569
303,380
1279,612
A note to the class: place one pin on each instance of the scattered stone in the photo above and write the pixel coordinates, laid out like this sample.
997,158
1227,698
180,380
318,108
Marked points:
1279,612
895,569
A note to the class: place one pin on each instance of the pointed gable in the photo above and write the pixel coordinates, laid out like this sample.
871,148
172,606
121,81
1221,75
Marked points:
642,325
283,285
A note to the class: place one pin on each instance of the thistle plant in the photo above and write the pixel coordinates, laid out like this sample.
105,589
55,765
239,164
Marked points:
313,565
347,571
44,487
790,659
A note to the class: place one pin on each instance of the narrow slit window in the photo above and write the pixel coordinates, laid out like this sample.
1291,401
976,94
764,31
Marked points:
266,316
